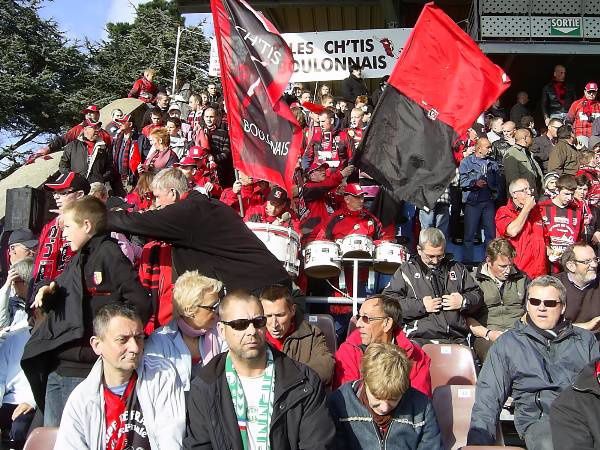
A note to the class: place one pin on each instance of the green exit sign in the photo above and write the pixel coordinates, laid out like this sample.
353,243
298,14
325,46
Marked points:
565,26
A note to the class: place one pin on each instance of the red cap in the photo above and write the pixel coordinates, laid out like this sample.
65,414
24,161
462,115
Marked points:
186,161
591,86
317,165
126,118
354,189
91,108
71,180
197,152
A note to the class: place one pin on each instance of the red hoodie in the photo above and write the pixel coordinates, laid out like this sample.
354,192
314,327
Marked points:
348,357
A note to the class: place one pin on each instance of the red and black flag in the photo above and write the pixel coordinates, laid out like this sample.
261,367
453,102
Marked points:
256,66
439,86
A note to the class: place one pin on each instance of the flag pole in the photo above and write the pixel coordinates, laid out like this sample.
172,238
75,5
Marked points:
239,194
179,31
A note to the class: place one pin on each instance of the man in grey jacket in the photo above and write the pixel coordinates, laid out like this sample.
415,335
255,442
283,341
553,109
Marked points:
533,363
127,400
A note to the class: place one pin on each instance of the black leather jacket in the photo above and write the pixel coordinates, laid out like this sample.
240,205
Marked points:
550,103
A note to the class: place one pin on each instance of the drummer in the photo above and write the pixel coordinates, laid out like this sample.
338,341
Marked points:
276,211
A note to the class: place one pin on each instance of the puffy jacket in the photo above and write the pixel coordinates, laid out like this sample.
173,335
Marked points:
413,281
349,355
414,426
96,167
575,414
501,306
533,370
550,103
161,398
300,418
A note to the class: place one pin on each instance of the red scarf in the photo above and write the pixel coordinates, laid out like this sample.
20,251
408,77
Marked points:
560,90
278,343
90,146
114,407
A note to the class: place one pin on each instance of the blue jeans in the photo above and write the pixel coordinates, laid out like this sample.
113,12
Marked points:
58,390
438,217
476,215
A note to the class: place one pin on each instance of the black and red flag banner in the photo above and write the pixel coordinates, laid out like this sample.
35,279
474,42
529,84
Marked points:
256,66
439,86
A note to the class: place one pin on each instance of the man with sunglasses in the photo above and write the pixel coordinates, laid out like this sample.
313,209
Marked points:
520,222
254,396
54,251
542,145
436,293
380,321
532,362
580,277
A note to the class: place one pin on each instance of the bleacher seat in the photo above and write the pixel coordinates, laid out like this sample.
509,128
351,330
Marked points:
42,438
325,323
453,405
451,364
351,326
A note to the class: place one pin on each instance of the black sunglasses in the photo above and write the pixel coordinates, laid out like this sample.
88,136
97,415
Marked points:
243,324
547,303
367,319
212,308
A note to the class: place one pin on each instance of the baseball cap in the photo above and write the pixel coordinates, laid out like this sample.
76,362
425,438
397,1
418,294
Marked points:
186,161
591,86
277,195
71,180
89,123
126,118
24,237
196,151
354,189
317,165
91,108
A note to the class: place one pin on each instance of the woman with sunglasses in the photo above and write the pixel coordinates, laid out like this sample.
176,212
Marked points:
190,340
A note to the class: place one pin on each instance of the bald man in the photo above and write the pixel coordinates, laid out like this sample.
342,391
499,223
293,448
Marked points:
557,96
519,163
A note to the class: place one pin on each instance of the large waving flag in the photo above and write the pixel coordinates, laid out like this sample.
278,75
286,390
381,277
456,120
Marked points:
439,86
256,66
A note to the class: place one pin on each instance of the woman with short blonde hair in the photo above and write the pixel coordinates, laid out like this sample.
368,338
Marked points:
191,338
160,155
382,409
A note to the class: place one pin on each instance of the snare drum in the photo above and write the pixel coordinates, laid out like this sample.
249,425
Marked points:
283,242
321,259
388,256
357,246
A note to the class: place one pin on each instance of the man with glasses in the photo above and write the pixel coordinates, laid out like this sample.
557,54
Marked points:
519,163
436,293
54,251
254,396
543,144
562,219
532,362
520,222
380,321
503,287
580,277
21,244
584,111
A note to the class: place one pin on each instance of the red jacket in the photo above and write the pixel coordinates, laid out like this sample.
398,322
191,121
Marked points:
316,204
583,112
345,222
144,90
259,214
348,356
333,147
54,252
252,195
529,243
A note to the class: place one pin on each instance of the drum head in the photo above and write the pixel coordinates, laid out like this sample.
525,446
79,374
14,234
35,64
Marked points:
322,272
387,267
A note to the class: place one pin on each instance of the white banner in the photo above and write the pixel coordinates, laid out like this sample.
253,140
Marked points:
325,56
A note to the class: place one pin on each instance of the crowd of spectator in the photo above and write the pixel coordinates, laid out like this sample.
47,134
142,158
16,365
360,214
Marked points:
147,314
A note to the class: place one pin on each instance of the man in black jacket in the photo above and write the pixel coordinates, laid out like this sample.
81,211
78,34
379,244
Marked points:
557,96
354,85
436,293
575,414
253,395
207,236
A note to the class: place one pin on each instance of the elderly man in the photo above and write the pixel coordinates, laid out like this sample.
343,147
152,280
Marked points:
115,407
436,293
380,321
503,288
288,332
580,277
206,235
254,396
21,244
520,221
532,362
584,111
557,95
542,145
519,163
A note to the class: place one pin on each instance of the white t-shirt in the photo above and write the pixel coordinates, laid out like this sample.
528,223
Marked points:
252,391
